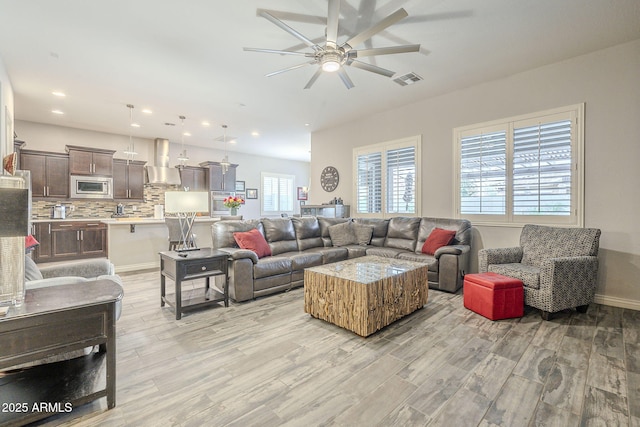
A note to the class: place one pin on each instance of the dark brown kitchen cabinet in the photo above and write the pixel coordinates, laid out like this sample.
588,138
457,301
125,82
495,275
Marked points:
194,178
42,232
90,161
219,181
49,173
66,240
128,179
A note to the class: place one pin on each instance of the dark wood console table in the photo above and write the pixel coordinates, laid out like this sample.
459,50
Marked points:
189,265
56,320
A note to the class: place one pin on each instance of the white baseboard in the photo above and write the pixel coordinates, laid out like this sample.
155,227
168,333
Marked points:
136,267
617,302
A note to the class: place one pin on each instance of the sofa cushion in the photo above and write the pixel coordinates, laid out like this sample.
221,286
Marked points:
402,233
31,270
325,223
330,254
280,235
222,231
385,252
430,260
302,260
363,233
271,266
529,275
540,243
254,241
380,227
438,238
342,234
307,232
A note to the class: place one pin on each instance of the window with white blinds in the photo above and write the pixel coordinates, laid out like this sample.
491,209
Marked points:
526,169
386,178
542,169
483,173
277,194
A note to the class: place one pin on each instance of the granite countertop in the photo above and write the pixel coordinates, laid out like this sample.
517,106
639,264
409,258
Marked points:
123,220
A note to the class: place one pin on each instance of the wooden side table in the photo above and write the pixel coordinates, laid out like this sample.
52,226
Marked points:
189,265
56,320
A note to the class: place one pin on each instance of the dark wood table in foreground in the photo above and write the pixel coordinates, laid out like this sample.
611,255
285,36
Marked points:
189,265
56,320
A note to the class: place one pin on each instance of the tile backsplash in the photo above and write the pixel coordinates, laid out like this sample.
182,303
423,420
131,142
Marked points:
153,195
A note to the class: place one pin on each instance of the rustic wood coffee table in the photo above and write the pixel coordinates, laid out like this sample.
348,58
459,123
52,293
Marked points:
365,294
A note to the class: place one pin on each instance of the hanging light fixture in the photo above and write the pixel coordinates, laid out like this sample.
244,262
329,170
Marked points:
225,161
182,158
131,149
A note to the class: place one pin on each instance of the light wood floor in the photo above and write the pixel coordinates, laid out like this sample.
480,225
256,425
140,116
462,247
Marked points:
267,363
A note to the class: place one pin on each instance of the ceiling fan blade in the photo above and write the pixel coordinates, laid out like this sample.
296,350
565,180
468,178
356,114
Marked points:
281,52
370,32
287,28
385,50
297,17
372,68
289,69
333,17
345,78
313,78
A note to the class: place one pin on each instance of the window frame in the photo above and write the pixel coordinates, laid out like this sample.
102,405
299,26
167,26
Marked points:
383,148
574,113
292,196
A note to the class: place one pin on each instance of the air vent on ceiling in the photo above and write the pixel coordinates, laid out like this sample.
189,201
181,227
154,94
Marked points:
228,138
408,79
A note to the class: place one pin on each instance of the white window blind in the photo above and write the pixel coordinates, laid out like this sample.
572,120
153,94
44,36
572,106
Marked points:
483,171
387,179
526,169
401,172
542,169
369,183
277,193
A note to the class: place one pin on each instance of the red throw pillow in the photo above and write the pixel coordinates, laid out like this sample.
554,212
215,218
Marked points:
438,238
253,240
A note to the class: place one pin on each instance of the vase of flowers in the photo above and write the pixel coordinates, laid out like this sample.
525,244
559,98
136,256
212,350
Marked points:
233,203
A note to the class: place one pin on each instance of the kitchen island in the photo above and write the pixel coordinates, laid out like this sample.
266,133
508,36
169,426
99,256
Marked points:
134,243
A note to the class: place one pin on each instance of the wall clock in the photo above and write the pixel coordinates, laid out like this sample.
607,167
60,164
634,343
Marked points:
329,178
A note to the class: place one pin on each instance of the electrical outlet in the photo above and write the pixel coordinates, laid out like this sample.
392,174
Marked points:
134,208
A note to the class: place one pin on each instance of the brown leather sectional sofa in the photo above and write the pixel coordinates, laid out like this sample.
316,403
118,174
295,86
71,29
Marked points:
299,243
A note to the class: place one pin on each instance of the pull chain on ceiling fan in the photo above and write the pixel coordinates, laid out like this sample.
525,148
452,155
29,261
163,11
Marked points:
333,57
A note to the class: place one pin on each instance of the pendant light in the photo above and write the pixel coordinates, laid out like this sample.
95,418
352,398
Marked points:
130,151
182,158
225,161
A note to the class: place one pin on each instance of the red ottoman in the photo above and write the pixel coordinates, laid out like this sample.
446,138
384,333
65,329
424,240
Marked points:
493,295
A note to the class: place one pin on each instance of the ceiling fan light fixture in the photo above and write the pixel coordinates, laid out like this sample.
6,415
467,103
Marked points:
331,62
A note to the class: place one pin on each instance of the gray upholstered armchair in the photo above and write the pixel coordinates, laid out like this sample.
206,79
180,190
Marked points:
558,266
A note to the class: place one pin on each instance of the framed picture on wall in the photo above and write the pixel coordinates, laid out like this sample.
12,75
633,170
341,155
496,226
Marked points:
242,195
252,193
239,185
302,195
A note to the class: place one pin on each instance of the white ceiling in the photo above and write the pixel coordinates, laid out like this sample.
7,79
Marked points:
186,58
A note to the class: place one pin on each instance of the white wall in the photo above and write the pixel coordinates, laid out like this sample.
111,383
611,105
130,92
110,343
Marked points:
39,136
607,81
6,105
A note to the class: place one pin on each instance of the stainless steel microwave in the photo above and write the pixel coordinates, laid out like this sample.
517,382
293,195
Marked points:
91,187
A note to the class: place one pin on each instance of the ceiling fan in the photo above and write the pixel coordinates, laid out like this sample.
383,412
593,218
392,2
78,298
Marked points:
333,57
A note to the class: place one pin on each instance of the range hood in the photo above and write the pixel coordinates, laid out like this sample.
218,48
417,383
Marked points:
160,173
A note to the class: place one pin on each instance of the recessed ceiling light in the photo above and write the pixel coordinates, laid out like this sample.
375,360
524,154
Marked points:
147,111
187,134
307,124
206,123
58,93
254,133
233,141
59,112
135,125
